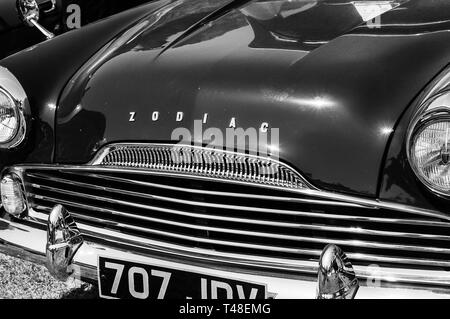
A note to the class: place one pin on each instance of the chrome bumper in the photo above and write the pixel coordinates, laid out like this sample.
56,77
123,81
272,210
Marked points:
30,243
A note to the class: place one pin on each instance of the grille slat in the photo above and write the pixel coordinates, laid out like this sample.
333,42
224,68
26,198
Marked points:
197,239
311,252
253,234
194,191
241,219
292,262
246,221
356,218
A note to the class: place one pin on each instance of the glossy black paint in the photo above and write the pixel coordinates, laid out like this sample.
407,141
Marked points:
399,183
336,91
15,36
340,93
44,70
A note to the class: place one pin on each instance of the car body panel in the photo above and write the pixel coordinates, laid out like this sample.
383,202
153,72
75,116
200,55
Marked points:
399,182
336,101
58,61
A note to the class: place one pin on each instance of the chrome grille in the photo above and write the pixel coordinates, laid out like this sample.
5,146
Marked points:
199,161
236,218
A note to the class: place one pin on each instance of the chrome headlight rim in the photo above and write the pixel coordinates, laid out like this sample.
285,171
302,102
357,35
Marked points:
13,90
426,121
433,106
17,114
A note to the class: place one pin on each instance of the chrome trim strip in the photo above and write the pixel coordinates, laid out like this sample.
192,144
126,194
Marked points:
277,265
222,206
193,191
201,161
151,207
355,218
370,203
192,238
200,254
150,196
352,243
297,213
245,221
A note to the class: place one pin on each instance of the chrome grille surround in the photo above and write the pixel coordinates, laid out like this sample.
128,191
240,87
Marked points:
243,226
200,161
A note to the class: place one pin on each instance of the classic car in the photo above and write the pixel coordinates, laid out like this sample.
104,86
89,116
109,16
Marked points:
24,23
235,149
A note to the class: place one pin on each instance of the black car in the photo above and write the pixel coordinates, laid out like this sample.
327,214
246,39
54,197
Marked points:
235,149
24,23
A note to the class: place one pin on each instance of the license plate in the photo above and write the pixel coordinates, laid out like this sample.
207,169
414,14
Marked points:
122,279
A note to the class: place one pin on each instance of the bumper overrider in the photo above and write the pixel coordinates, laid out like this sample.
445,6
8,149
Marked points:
68,247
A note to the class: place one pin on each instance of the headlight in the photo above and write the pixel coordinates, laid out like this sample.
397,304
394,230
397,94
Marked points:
13,105
9,120
430,154
429,137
